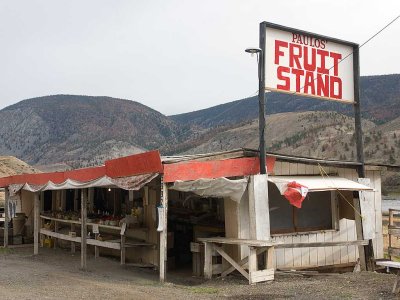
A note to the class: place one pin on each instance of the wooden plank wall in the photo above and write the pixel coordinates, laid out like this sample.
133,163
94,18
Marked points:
311,257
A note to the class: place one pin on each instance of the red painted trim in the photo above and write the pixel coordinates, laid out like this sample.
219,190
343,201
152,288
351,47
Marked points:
215,169
143,163
86,174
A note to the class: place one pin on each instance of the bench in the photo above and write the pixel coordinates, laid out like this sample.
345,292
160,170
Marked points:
395,265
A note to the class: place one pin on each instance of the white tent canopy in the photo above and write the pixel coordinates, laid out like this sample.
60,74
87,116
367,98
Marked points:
219,187
319,183
127,183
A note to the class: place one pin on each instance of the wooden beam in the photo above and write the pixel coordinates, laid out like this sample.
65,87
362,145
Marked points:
73,243
359,232
231,261
243,262
270,258
164,232
36,223
76,197
208,248
60,235
323,244
252,263
84,199
6,216
123,250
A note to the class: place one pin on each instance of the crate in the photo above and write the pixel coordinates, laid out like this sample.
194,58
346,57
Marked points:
48,243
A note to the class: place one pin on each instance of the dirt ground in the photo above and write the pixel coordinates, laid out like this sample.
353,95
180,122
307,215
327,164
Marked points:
55,274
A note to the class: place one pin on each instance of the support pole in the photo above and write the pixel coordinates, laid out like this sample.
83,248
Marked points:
36,222
164,232
357,113
261,99
366,252
84,198
6,216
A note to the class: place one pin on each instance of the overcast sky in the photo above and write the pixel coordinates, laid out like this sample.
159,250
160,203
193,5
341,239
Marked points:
174,56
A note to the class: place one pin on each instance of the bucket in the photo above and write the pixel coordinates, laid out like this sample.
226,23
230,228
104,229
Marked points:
18,223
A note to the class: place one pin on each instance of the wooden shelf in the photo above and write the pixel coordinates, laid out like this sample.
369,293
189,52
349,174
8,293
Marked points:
79,222
60,236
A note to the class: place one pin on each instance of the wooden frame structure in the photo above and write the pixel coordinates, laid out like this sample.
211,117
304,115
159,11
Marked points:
256,247
303,249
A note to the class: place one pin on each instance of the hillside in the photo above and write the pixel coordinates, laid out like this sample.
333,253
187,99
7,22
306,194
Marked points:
380,98
81,130
9,166
64,131
326,135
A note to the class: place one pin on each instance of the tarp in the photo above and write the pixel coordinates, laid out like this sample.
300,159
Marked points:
318,183
127,183
219,187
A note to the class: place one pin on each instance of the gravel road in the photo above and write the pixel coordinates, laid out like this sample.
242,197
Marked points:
55,274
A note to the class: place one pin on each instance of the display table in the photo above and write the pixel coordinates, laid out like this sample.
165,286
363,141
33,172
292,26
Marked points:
116,244
256,247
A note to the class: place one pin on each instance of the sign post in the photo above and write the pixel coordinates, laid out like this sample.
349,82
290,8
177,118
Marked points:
312,65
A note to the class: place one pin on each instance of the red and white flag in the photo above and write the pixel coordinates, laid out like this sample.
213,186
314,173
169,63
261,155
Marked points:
295,193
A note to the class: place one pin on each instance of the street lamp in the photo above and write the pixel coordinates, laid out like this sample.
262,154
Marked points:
261,106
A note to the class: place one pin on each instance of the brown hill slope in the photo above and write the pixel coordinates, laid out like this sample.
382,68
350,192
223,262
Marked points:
9,166
314,134
81,130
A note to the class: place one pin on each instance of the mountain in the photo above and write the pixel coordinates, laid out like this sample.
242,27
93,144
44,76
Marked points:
327,135
380,102
67,131
81,130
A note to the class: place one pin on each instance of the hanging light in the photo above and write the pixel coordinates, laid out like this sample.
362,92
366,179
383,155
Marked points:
109,189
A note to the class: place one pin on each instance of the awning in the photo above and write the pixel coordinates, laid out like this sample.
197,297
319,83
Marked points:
220,187
319,183
127,183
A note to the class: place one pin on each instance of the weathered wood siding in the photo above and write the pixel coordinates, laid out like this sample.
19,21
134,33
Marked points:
321,256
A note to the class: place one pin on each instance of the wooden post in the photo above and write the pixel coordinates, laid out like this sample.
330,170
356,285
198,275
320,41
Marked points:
164,232
55,230
41,197
36,222
63,201
76,196
208,248
123,250
270,258
91,200
391,223
259,207
359,232
73,243
6,216
96,249
84,198
252,263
